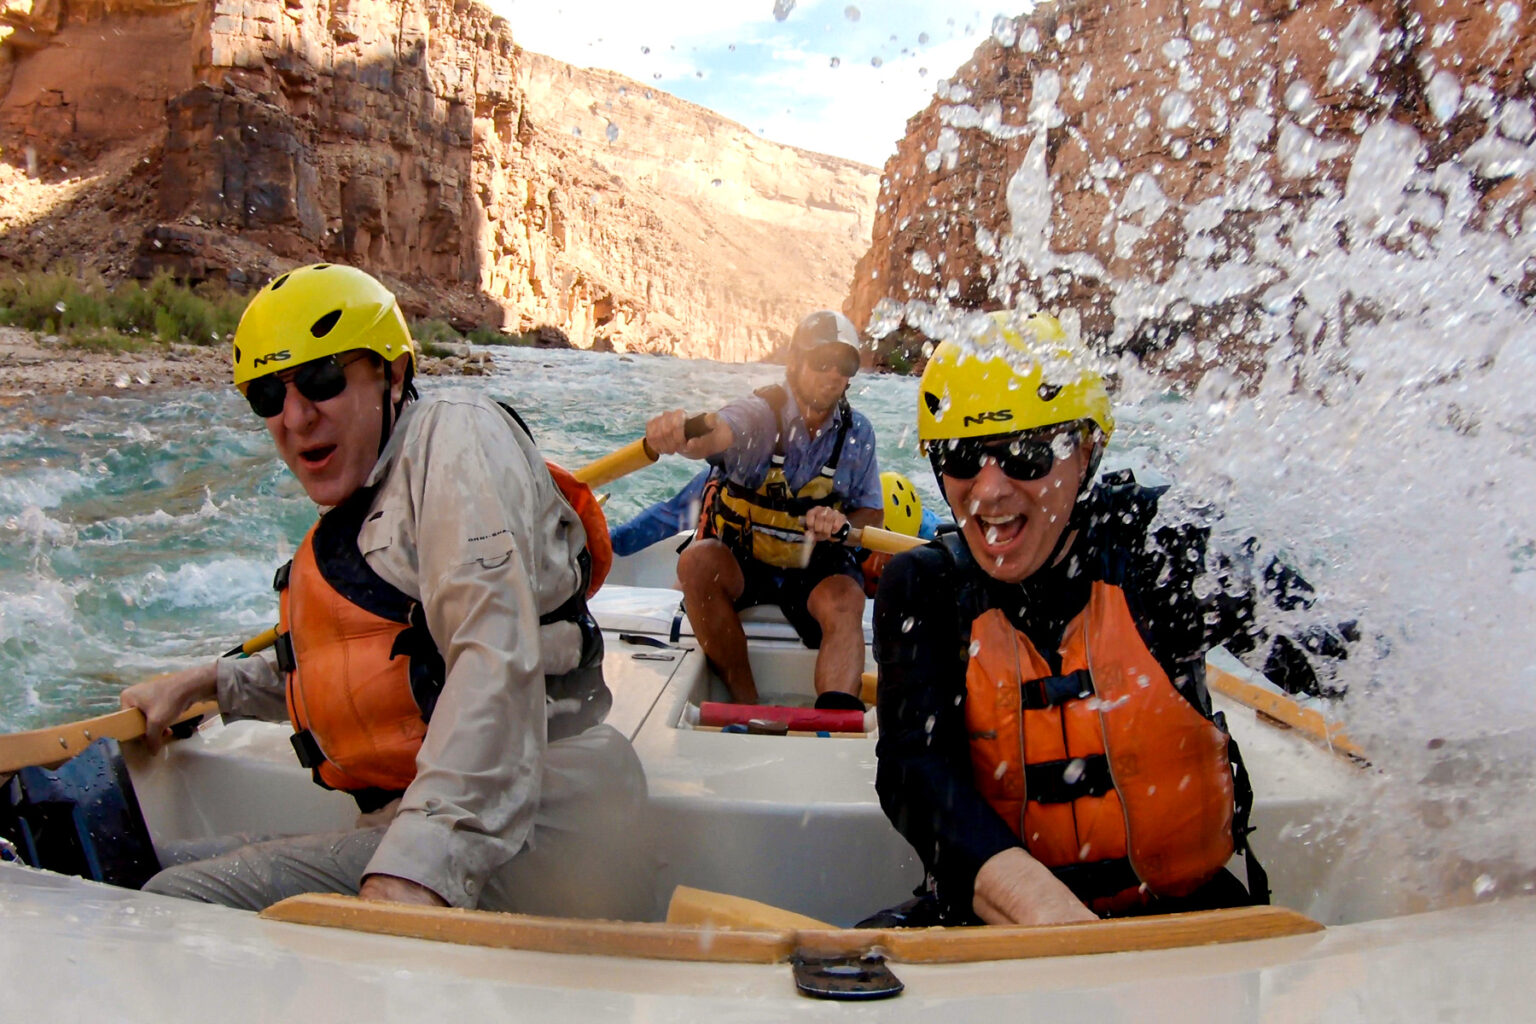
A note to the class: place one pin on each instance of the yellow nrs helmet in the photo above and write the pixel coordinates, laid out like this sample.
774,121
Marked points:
903,508
316,311
1014,374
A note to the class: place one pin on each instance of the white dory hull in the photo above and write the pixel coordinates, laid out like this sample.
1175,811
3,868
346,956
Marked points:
791,821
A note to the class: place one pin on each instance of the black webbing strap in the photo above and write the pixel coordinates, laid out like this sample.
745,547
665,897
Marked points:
1242,799
1052,691
1060,782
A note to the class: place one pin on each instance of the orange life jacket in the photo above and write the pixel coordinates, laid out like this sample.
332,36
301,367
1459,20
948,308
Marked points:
593,521
349,696
364,672
1103,765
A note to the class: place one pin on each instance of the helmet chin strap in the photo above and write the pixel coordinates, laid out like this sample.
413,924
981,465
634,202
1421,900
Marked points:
389,406
1079,506
392,409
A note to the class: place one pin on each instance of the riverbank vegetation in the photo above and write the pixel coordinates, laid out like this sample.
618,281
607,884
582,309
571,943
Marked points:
88,312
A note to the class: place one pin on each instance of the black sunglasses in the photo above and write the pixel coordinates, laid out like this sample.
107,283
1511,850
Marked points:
834,357
318,380
1024,457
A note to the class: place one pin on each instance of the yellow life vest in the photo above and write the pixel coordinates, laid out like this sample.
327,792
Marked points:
767,522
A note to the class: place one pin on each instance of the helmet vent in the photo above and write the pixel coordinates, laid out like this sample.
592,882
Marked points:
320,266
1047,392
932,401
237,353
279,282
324,325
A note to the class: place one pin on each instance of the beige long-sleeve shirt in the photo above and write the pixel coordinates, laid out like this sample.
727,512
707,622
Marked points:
466,521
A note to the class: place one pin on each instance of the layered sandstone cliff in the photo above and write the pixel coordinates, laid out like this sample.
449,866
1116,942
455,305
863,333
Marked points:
1185,175
228,138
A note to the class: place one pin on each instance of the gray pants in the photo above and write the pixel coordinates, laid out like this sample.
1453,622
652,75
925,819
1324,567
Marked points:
586,857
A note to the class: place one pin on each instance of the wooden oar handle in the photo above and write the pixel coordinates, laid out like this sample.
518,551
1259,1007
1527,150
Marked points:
52,746
886,542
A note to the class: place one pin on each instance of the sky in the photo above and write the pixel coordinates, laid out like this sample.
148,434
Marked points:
825,75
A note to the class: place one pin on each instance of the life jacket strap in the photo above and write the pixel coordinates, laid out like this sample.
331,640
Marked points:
307,749
1242,799
1061,782
1051,691
283,649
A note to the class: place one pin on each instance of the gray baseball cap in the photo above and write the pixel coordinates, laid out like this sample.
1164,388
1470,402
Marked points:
821,327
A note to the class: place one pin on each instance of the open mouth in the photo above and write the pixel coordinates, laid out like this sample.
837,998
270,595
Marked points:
316,455
1000,531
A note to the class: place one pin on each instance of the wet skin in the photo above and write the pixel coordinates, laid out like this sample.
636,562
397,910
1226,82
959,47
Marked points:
1011,526
816,391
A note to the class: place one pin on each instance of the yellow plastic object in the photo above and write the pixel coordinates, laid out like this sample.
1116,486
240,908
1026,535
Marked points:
903,507
316,311
1015,375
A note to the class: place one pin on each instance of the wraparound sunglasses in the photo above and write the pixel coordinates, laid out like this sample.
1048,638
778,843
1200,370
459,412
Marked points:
317,380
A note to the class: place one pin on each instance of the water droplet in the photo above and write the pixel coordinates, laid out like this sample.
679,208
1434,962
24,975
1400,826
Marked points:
851,13
1002,768
907,624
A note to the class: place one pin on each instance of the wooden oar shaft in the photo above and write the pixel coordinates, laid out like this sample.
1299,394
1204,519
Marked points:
62,742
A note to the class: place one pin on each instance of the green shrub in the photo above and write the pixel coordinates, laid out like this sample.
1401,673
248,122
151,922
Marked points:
84,308
486,334
105,339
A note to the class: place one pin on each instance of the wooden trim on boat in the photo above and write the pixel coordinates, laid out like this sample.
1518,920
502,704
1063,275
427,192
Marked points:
540,934
715,944
55,745
1278,708
1161,931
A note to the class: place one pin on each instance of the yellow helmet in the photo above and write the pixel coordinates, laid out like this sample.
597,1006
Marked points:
903,508
1016,374
317,311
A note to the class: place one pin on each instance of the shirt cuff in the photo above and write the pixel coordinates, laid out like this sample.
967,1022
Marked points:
441,859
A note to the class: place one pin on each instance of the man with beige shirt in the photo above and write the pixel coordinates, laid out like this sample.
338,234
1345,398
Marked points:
436,656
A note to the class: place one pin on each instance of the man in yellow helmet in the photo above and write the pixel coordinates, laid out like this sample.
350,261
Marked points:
794,465
1046,738
436,657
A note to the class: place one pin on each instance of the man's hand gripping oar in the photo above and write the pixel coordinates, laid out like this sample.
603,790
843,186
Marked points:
152,708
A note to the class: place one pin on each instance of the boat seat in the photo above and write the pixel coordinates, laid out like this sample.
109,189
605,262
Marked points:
651,610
